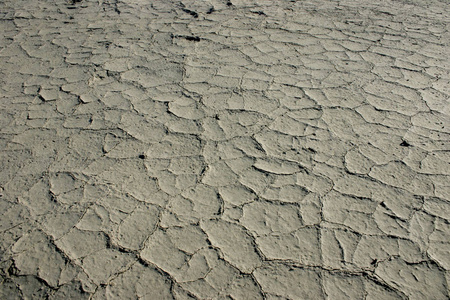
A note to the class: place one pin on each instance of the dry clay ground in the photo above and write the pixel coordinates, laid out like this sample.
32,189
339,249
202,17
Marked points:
224,149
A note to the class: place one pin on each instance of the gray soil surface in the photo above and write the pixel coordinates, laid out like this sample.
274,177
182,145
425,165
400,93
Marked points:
242,149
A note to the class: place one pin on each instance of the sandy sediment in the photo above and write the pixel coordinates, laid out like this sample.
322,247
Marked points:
242,149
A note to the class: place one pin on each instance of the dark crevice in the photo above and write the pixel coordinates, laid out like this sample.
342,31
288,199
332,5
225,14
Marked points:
261,13
188,38
192,38
405,144
191,12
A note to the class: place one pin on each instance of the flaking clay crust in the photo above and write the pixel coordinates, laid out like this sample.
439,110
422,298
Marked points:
243,149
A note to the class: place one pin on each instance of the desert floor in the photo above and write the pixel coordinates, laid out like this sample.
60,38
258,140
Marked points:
243,149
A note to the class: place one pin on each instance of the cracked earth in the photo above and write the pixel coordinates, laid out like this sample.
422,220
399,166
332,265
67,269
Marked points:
242,149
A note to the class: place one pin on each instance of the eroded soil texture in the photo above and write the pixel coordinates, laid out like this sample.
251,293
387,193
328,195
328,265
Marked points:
242,149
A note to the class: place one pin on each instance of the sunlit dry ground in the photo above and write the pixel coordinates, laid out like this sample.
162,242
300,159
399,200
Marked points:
224,149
